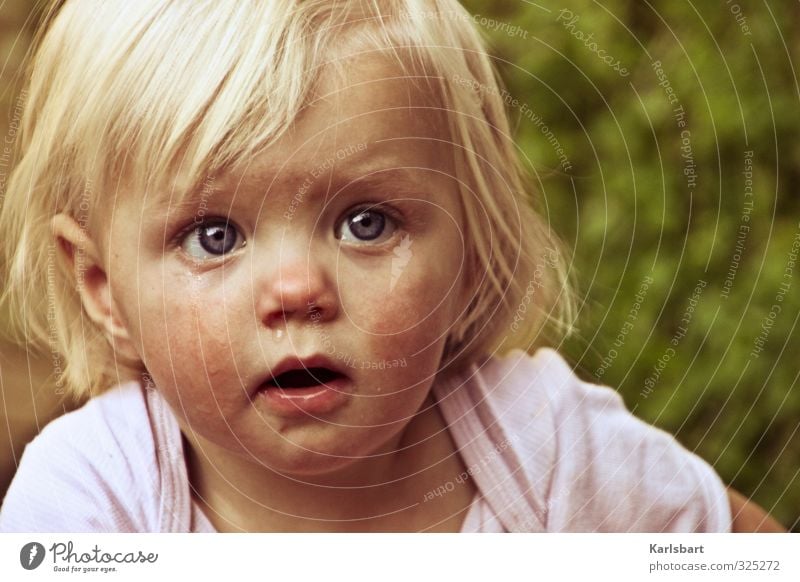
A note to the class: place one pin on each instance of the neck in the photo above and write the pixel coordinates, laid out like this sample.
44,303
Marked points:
386,492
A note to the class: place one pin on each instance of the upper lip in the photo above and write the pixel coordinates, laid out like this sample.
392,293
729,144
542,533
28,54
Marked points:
295,363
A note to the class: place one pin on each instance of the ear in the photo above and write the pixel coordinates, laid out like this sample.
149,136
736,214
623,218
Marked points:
83,257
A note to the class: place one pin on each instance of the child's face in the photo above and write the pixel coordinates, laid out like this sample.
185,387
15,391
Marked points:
214,309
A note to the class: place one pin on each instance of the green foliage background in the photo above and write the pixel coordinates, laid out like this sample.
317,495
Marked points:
627,212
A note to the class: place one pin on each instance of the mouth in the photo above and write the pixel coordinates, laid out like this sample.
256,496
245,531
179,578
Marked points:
301,387
293,373
304,378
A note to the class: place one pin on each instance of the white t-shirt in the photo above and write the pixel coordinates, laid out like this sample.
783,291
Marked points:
546,451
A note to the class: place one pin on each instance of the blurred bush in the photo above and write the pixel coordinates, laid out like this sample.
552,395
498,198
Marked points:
633,204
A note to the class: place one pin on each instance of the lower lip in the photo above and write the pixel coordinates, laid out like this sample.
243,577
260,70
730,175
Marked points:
313,400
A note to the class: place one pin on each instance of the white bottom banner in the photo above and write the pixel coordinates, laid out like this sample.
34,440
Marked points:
401,557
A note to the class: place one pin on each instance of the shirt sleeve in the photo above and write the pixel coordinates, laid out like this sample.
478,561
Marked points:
76,476
614,472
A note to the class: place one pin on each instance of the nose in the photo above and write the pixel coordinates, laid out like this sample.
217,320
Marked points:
298,288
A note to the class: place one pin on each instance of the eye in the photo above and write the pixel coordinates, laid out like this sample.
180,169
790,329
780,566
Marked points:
366,225
212,238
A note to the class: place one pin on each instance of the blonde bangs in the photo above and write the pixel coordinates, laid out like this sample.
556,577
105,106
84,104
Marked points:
158,95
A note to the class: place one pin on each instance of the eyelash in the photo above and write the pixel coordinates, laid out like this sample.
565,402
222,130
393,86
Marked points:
389,210
194,227
385,208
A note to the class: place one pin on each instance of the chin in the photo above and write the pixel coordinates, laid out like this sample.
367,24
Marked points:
319,467
340,460
316,468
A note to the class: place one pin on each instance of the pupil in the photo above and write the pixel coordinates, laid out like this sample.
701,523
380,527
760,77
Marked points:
368,225
217,239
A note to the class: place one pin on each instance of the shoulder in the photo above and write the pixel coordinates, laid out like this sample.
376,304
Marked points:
597,466
87,469
517,372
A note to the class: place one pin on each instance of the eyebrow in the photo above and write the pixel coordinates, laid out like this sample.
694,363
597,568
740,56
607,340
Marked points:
403,181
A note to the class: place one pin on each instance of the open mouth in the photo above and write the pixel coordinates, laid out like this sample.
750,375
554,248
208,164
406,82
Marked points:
304,378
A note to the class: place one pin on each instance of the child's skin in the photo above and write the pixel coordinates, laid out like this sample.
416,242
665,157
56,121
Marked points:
205,329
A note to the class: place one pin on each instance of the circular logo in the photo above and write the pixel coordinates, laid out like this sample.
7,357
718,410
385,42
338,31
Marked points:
31,555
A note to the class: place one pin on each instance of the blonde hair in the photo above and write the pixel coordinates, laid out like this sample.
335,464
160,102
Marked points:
142,88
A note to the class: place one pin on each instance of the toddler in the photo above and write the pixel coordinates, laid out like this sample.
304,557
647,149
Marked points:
285,250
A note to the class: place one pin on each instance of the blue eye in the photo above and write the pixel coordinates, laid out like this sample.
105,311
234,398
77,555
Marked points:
366,225
213,238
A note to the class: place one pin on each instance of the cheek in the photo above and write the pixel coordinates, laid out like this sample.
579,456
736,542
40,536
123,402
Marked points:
188,349
417,313
422,295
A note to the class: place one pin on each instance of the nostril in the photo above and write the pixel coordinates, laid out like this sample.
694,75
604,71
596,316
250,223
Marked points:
279,319
282,315
314,314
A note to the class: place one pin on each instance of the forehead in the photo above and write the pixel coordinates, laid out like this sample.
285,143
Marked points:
368,118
